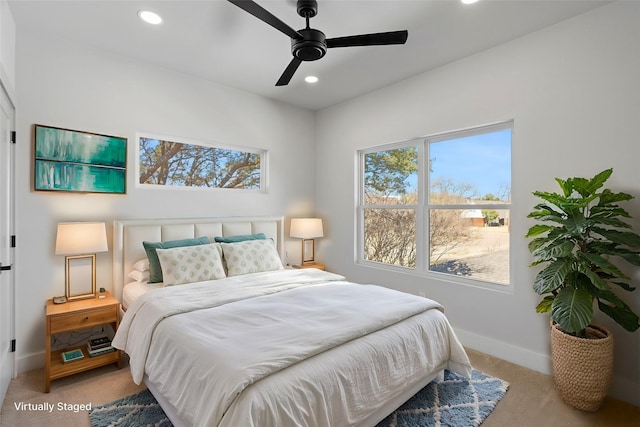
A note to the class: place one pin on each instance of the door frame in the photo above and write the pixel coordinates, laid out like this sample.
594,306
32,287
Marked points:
7,146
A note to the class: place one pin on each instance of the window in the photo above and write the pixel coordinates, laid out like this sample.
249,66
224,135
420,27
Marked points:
449,214
390,204
172,163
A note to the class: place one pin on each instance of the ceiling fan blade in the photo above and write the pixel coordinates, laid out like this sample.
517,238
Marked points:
262,14
376,39
289,72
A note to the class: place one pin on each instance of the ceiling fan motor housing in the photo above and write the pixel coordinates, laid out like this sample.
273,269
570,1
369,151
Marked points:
311,47
307,8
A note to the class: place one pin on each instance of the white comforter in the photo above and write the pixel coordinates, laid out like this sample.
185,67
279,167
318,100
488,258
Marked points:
282,348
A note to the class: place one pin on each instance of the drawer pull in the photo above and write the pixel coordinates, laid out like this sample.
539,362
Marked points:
86,318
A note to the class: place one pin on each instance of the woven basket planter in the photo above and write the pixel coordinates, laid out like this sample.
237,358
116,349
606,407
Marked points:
582,367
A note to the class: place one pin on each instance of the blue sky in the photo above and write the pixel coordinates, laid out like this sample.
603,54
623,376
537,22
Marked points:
482,160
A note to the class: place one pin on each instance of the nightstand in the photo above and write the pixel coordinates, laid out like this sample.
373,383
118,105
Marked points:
73,316
314,265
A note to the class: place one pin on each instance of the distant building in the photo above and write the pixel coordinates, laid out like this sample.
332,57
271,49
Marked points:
474,217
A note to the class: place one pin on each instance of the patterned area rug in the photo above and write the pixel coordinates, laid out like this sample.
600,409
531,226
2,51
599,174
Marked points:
454,402
138,410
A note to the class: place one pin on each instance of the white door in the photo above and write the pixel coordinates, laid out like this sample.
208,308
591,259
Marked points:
6,254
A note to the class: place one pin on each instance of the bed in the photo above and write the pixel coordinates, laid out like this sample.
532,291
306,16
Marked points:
259,346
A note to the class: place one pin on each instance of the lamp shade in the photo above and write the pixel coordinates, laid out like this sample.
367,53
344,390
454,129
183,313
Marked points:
74,238
306,228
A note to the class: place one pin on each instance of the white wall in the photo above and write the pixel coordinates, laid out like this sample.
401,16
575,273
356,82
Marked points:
7,50
573,92
66,86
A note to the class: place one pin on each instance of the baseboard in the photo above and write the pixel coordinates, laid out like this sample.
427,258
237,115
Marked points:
505,351
621,388
30,362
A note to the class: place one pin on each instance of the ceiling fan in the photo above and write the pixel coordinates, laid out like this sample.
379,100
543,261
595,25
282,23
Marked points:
310,44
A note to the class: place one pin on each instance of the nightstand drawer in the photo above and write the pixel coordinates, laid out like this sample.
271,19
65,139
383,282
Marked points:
83,319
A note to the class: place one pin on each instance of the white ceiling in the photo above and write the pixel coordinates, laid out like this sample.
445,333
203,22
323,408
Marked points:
218,41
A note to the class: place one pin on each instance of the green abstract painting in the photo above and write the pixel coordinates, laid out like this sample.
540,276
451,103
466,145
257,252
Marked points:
69,160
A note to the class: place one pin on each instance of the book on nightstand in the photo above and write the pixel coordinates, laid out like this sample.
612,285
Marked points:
101,342
99,351
71,355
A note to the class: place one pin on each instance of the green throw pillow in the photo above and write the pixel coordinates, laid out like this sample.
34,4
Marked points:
155,271
240,238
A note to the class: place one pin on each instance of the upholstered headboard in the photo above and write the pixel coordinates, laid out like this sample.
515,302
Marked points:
128,236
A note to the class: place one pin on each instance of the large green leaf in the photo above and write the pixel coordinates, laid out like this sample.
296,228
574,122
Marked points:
545,305
538,229
610,221
576,223
556,249
614,307
608,211
552,277
536,243
603,264
572,309
626,238
598,181
613,249
546,213
558,200
581,186
624,285
629,256
584,267
540,244
567,187
607,197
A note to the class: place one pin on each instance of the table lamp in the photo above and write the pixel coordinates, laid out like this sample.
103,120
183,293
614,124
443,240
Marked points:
80,241
307,229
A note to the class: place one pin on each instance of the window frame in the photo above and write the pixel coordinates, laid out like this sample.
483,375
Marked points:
362,206
424,207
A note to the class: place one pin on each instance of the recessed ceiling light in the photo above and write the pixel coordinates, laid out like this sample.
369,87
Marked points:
311,79
469,1
149,17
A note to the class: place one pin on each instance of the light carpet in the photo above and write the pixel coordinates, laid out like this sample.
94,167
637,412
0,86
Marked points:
456,401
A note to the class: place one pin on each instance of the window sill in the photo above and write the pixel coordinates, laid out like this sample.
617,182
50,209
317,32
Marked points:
440,277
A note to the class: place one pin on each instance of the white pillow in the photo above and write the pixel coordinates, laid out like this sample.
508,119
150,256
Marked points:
187,264
141,265
251,256
139,276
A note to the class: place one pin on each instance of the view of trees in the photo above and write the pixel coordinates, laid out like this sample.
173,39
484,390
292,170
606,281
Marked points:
391,200
447,229
190,165
390,233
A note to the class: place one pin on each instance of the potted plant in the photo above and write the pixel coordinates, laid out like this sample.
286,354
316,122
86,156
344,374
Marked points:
579,237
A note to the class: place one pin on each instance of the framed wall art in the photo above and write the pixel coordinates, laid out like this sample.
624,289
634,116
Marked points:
71,160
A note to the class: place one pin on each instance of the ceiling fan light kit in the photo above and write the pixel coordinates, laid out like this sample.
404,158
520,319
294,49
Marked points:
310,44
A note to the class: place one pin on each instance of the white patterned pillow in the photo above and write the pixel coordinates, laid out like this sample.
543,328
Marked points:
189,264
251,256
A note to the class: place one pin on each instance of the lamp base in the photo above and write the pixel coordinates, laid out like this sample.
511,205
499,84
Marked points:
317,265
80,277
